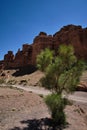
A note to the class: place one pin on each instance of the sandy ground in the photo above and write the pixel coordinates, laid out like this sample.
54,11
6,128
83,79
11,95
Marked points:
19,108
22,110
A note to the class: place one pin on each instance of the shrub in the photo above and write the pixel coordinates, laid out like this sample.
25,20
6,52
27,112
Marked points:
2,80
44,59
61,74
56,106
11,82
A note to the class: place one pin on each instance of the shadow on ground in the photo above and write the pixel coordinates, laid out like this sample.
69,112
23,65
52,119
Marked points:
24,70
40,124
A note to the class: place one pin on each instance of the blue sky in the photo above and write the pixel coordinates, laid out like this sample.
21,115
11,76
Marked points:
22,20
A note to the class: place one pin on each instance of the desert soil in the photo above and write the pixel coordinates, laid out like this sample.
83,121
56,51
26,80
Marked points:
17,106
22,110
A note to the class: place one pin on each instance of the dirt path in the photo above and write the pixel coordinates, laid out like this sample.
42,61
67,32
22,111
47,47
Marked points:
77,96
36,90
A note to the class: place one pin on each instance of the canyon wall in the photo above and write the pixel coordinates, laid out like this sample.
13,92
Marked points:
71,34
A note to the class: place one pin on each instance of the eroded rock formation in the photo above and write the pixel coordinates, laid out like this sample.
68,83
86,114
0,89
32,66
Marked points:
71,34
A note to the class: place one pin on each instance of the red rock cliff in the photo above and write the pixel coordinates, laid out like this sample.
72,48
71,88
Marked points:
71,34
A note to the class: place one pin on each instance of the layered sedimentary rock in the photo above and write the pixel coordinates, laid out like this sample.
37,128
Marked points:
71,34
21,59
41,42
75,36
